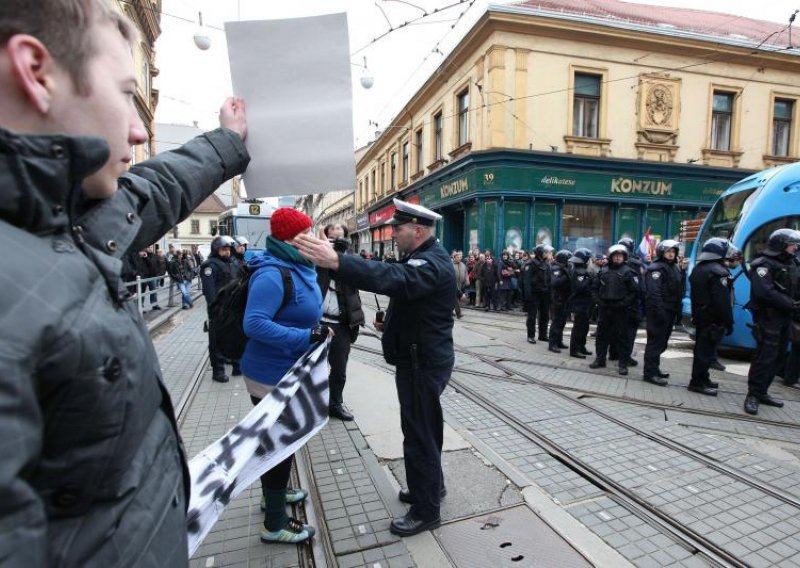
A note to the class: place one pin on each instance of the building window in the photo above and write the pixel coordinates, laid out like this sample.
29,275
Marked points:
463,117
781,126
418,149
374,191
586,105
383,178
585,225
212,226
361,190
393,170
195,227
721,120
438,121
405,163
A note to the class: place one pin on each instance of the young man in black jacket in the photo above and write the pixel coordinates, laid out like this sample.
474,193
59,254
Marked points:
341,311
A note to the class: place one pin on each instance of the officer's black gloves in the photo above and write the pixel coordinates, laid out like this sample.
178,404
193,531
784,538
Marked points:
319,333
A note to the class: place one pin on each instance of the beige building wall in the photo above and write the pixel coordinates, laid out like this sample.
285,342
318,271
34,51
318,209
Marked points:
533,62
185,236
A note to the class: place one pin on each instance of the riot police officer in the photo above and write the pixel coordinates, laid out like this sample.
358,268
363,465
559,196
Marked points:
712,309
580,302
791,372
617,293
635,315
237,254
663,295
772,305
214,273
536,280
559,297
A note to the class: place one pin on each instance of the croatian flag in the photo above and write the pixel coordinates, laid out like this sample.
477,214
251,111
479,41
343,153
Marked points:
646,246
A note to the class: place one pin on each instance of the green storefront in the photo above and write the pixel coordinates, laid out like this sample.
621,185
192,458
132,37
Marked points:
500,199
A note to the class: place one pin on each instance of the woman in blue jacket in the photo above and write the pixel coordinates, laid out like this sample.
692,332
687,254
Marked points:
278,335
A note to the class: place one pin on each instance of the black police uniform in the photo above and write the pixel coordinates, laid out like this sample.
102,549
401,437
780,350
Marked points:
712,315
559,296
580,303
418,340
617,293
791,373
771,304
663,295
214,273
536,279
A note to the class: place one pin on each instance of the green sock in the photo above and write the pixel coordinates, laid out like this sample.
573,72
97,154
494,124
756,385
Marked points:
275,517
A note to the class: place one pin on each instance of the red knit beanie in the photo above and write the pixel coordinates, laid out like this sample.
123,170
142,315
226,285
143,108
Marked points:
287,223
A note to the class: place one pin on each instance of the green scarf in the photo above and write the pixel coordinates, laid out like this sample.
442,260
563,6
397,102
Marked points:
285,251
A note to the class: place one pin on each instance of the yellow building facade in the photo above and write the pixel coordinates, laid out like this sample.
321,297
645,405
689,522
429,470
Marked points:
535,106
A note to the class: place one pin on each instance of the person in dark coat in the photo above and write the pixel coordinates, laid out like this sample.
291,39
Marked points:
93,471
215,272
712,309
506,268
773,305
560,284
636,312
490,276
616,293
536,281
663,296
180,272
580,301
342,312
417,339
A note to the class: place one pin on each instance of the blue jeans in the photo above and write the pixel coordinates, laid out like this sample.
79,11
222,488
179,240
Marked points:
183,286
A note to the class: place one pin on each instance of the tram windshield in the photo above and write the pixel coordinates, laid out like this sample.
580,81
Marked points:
254,229
726,214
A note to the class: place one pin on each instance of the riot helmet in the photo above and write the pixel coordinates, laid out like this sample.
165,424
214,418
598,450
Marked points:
241,241
563,256
542,249
780,239
581,256
628,243
618,249
666,245
715,248
221,241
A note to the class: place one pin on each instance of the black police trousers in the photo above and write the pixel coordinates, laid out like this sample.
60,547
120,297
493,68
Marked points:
580,329
423,430
659,329
612,331
791,373
538,308
560,313
338,353
215,358
705,353
772,337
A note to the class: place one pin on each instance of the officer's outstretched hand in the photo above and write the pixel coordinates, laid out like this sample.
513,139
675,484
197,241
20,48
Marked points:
232,116
318,251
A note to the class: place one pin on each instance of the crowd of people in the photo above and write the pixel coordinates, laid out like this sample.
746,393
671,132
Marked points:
620,291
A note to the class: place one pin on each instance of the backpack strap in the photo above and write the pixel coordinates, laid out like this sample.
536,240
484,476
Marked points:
288,286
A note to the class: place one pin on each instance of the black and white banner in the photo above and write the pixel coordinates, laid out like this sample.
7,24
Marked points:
275,429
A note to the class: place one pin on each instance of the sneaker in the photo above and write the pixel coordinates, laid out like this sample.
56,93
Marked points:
292,533
292,496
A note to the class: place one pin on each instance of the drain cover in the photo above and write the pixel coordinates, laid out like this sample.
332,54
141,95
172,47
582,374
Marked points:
514,537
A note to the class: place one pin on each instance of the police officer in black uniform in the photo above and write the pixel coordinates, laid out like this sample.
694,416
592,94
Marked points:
772,304
617,293
214,273
417,339
536,280
580,302
238,261
559,296
791,372
712,309
663,296
634,315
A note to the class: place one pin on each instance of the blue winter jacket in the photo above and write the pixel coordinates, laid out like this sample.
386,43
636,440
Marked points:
278,336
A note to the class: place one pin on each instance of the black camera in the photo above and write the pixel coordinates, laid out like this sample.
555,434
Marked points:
340,245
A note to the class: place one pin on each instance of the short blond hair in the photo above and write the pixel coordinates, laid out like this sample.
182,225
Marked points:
64,27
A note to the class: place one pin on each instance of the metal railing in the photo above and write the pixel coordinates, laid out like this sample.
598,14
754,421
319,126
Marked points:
142,289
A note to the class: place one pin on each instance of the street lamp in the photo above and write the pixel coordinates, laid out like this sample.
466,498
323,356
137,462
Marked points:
201,39
367,80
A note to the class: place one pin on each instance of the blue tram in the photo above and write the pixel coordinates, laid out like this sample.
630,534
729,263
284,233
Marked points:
249,219
746,214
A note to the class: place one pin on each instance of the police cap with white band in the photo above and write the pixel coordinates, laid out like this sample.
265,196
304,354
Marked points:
405,212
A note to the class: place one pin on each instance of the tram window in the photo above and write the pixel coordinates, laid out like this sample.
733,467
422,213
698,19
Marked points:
758,240
726,214
255,230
